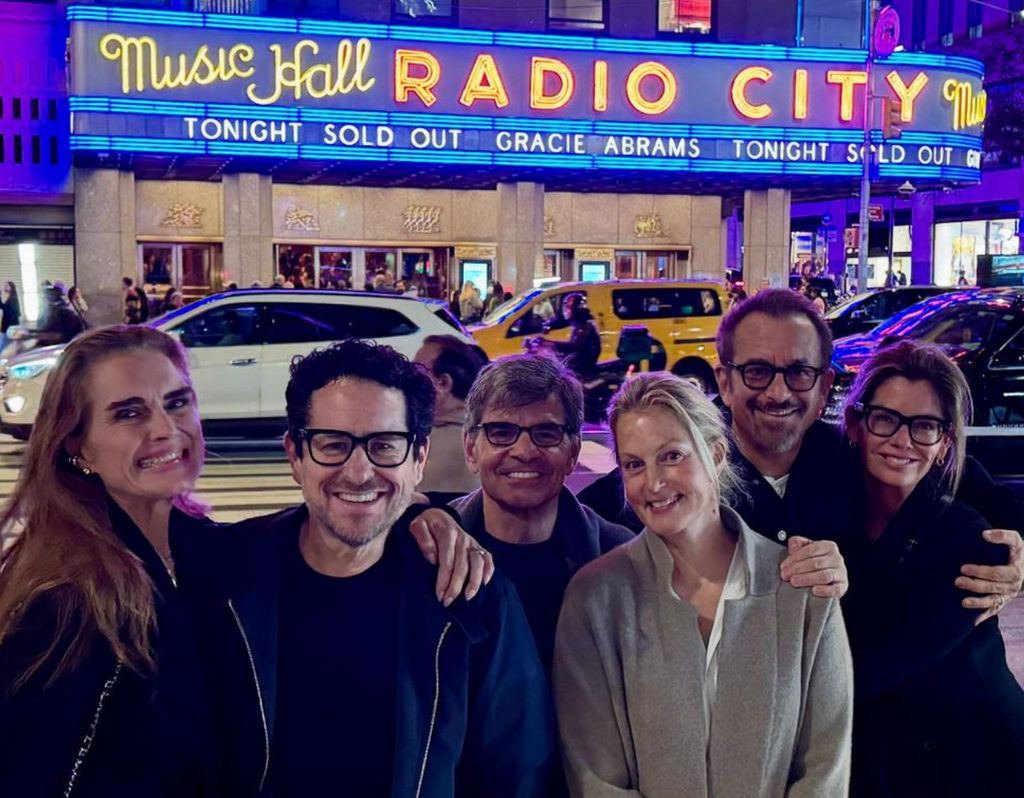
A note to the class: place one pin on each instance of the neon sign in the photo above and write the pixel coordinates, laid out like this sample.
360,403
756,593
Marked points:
344,91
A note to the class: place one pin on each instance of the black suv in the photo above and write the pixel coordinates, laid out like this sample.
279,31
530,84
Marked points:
982,330
864,312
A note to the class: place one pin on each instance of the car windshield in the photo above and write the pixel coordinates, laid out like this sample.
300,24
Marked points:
506,309
948,322
837,311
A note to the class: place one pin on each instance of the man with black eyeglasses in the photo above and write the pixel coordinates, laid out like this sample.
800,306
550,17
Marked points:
348,676
524,421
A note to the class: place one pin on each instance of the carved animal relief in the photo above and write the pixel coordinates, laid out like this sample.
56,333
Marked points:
183,214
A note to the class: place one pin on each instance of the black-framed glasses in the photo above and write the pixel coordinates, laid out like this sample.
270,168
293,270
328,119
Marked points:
505,433
883,422
333,447
758,376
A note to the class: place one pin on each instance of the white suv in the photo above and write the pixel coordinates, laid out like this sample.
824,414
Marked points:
240,345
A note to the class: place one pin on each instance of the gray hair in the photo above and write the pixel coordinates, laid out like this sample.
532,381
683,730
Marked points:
520,380
694,412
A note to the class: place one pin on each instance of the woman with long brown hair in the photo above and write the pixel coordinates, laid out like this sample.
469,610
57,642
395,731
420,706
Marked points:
101,687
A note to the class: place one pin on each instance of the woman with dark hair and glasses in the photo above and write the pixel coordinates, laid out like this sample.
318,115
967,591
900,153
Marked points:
937,712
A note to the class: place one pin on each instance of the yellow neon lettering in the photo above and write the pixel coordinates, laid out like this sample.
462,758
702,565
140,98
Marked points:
668,88
143,67
420,85
484,83
600,85
344,76
907,94
800,94
847,80
738,92
968,109
540,68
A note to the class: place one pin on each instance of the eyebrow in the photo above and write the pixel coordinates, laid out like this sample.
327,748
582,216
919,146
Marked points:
136,400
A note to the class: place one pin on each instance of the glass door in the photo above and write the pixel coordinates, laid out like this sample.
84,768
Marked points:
334,268
193,270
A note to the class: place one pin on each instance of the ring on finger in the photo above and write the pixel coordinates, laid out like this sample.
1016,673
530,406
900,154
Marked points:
478,552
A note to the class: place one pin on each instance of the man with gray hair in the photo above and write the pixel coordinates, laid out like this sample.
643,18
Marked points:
523,435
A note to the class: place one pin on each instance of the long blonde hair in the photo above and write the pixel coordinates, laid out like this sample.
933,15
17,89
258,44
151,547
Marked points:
67,550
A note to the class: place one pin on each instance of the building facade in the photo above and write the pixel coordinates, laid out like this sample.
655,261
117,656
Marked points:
521,142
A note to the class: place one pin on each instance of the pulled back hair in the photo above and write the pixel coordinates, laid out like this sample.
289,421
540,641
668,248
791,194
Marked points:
459,360
917,361
360,360
776,303
67,551
694,412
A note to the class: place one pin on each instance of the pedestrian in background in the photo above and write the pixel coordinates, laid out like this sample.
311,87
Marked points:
78,304
10,308
470,304
453,303
132,301
494,298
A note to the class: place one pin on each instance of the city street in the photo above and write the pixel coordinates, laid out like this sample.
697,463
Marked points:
247,478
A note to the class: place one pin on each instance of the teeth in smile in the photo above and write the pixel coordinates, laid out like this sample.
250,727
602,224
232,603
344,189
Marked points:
897,460
523,475
367,496
150,462
663,504
778,413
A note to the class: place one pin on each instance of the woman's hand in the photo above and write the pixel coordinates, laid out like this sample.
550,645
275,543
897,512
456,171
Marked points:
816,564
996,584
463,565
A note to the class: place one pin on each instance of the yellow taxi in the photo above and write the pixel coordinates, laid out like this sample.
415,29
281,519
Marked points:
682,315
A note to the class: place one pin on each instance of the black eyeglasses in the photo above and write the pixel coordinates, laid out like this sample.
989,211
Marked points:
884,423
505,433
332,447
758,376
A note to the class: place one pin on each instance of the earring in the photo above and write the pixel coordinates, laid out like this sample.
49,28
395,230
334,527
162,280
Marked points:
76,462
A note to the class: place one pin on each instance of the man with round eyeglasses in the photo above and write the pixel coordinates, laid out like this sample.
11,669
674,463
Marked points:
523,437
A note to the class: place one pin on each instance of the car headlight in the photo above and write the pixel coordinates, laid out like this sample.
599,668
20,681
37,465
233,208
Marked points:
26,371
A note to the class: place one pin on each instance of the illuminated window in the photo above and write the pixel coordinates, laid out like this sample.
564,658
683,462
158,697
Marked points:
920,24
946,21
424,9
684,16
576,14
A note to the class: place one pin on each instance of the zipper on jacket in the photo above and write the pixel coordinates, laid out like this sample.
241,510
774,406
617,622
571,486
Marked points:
433,711
259,693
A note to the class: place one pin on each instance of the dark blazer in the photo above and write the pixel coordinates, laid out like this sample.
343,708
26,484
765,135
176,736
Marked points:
474,710
938,712
152,734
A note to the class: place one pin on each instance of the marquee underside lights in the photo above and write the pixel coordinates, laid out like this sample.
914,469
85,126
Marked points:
164,82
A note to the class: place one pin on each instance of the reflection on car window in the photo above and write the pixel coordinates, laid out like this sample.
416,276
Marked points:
1011,356
300,322
964,328
665,303
234,325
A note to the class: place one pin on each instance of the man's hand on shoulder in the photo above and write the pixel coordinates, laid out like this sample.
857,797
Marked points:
816,564
463,565
996,585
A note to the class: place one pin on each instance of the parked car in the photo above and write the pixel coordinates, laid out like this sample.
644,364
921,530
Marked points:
681,316
982,330
240,345
864,312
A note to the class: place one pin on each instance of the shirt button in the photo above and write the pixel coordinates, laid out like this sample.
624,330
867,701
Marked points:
782,535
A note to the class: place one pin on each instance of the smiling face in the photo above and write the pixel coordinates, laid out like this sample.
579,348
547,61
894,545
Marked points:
898,462
142,434
773,420
358,501
666,484
523,476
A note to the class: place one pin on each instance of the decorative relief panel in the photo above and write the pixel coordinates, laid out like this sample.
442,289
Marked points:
296,218
648,226
183,214
422,219
549,225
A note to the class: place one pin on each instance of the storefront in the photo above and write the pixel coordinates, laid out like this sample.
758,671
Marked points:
220,150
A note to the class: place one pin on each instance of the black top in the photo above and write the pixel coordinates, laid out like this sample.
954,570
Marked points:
153,736
540,572
337,666
938,711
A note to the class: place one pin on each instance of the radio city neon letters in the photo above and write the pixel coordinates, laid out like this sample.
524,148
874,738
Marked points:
738,92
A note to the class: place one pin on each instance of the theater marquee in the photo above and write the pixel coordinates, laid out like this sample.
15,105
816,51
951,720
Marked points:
151,81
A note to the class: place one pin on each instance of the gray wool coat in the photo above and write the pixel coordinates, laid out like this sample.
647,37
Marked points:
629,681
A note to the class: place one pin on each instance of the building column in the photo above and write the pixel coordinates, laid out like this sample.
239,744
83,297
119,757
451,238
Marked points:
520,235
105,248
248,229
766,242
835,243
922,218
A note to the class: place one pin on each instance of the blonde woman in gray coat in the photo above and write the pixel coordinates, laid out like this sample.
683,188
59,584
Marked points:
684,665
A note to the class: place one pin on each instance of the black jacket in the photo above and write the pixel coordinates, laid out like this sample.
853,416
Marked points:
152,735
474,711
938,712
